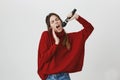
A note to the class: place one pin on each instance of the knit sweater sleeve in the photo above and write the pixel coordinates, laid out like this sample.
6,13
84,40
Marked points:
88,28
45,52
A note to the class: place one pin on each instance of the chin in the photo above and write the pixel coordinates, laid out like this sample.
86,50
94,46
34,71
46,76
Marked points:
59,30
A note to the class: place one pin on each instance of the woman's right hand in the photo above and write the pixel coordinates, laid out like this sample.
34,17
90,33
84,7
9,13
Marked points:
57,40
75,16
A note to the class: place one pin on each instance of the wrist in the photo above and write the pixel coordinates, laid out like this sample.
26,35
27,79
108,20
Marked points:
76,16
56,43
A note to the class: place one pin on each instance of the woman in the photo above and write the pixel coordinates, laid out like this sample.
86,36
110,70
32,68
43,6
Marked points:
61,53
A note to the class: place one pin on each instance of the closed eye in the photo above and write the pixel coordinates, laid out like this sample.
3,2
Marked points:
56,19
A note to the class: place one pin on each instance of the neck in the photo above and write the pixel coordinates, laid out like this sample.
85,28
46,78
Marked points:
60,34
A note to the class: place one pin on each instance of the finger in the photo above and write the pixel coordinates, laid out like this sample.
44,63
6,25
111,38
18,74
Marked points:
73,17
54,35
69,15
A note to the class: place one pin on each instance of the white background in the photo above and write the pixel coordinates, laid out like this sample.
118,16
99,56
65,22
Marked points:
23,21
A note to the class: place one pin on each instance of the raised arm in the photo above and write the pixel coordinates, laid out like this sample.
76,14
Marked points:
88,28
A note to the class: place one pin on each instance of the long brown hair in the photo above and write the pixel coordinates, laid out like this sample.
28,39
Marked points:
66,40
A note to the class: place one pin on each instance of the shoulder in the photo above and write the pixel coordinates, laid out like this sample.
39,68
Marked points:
75,35
45,33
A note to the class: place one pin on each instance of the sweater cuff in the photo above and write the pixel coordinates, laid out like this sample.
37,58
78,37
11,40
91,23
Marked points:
79,18
55,45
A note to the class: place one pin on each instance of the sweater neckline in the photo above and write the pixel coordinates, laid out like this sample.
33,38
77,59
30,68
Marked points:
60,34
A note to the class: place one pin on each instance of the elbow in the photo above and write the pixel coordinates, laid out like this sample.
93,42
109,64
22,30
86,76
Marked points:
91,26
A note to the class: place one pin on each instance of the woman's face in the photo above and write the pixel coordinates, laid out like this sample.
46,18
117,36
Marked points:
56,24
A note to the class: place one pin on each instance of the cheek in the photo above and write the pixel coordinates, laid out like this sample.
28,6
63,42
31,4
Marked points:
60,22
52,27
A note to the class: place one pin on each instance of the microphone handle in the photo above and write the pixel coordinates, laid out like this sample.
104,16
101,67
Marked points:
66,20
73,12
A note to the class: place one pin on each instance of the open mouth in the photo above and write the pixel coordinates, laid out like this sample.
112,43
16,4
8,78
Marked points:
57,26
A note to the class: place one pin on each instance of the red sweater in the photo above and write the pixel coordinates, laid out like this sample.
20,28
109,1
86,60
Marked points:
54,58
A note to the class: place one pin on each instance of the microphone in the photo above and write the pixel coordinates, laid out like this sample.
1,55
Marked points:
66,20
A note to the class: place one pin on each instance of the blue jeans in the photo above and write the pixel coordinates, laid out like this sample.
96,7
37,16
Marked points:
59,76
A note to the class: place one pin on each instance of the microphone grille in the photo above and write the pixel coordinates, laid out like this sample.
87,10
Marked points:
63,24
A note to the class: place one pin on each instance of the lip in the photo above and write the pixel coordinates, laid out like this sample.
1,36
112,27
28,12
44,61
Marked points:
57,26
